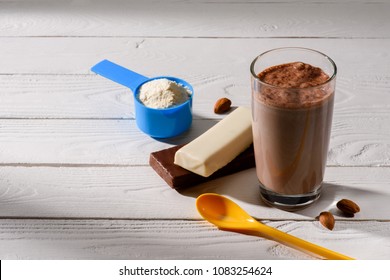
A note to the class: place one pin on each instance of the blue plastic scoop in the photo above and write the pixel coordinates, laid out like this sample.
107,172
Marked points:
158,123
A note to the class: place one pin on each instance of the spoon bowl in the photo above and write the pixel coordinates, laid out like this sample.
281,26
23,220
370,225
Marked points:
224,213
227,215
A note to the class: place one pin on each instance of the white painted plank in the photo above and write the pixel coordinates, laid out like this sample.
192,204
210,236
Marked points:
138,239
91,96
139,193
57,141
362,94
195,18
63,96
83,168
215,60
355,141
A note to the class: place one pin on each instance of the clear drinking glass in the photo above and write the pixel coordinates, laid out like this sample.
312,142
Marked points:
291,129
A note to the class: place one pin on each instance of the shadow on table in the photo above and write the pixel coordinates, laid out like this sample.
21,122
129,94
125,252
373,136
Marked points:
240,186
368,199
198,127
243,187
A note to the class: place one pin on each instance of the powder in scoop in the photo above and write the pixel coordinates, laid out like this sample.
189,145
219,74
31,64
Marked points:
163,93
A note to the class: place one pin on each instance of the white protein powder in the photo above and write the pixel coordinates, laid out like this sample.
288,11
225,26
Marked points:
163,93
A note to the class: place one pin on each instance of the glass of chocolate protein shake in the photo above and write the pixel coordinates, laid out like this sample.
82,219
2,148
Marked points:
292,106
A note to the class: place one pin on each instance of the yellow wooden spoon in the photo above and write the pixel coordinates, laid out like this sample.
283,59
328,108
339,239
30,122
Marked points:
227,215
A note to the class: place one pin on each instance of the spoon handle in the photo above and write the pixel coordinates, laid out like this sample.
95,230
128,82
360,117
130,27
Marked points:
299,244
119,74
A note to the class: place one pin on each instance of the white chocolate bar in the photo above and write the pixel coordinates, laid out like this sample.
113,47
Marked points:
219,145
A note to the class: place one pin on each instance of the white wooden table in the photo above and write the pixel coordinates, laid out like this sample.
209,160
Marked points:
74,176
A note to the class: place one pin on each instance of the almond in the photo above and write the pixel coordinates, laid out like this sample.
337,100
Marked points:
348,207
327,220
222,105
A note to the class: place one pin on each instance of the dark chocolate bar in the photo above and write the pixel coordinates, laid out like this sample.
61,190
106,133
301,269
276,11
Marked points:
179,178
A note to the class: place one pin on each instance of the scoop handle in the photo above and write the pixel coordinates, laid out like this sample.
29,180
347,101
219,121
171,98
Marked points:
299,244
119,74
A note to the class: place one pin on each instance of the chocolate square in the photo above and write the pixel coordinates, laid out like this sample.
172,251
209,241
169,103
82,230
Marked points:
179,178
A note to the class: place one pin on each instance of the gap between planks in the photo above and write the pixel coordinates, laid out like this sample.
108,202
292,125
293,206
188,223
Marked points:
200,37
178,219
97,165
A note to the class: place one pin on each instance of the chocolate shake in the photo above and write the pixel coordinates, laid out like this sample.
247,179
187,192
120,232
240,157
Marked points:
292,106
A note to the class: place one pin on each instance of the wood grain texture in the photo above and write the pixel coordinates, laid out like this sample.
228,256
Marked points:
215,60
162,239
362,94
74,178
84,96
63,96
121,192
355,141
195,18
